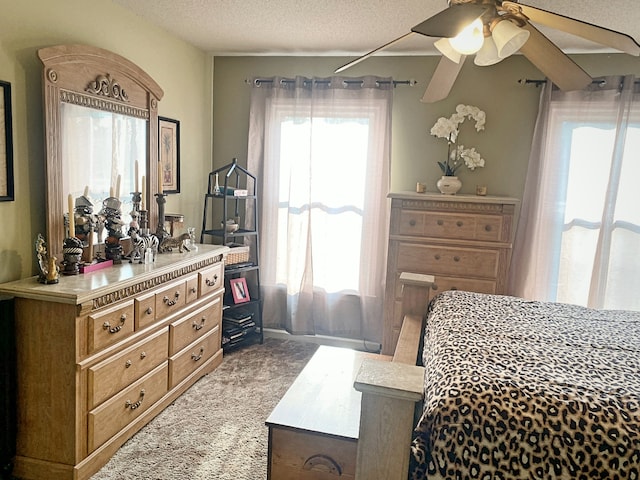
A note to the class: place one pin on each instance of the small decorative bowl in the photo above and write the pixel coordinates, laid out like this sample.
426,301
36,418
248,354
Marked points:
231,227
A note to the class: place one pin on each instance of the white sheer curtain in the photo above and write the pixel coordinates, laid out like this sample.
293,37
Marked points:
578,238
321,150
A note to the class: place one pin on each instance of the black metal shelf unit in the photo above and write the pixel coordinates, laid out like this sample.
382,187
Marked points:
234,190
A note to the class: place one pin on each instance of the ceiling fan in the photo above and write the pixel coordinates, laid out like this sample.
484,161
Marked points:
494,30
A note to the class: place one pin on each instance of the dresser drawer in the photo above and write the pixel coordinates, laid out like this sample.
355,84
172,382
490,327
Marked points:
112,375
110,325
194,326
122,409
191,358
442,284
452,261
145,310
451,225
192,289
170,299
298,455
210,279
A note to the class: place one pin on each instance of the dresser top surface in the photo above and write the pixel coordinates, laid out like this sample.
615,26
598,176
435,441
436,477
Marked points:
409,195
77,289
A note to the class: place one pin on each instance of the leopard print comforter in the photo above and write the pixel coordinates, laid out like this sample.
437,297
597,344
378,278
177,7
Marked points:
517,389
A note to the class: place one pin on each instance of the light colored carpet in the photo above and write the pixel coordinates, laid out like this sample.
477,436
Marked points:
216,429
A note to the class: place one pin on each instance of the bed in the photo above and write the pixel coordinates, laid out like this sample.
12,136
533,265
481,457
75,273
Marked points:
518,389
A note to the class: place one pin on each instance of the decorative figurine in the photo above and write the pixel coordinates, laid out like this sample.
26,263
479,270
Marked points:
169,243
142,244
49,271
72,251
111,213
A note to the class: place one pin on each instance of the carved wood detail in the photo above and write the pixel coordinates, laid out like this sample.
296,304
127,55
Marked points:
103,104
108,87
433,204
136,289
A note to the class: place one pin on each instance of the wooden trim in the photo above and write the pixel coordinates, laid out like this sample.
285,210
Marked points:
68,71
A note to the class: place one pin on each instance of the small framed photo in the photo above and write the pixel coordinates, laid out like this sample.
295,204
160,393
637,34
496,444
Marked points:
169,154
239,290
6,144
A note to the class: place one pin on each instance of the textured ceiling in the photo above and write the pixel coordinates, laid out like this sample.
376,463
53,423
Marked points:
344,27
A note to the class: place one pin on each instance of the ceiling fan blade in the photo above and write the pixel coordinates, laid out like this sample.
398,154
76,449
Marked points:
442,80
551,61
450,21
603,36
372,52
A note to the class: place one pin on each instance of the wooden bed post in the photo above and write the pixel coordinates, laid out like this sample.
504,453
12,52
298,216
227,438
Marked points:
390,391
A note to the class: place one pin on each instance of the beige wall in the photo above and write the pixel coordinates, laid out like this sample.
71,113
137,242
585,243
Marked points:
183,72
511,112
510,107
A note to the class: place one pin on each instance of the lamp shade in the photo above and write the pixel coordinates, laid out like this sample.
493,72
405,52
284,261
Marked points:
508,38
469,41
488,54
444,46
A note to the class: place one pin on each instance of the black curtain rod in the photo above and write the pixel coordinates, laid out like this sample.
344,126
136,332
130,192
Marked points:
537,83
258,81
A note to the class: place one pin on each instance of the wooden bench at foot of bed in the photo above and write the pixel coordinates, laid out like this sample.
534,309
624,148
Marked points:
390,391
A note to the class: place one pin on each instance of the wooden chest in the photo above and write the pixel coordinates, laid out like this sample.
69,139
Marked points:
464,241
313,431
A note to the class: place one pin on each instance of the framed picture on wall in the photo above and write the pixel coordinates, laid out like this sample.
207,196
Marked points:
6,144
169,154
239,290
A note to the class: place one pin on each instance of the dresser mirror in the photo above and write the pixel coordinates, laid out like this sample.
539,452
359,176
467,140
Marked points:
101,127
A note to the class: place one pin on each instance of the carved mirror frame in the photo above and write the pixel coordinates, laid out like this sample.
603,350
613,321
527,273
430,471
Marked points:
103,80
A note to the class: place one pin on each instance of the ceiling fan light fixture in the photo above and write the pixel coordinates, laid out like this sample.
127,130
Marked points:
470,40
488,54
444,46
508,38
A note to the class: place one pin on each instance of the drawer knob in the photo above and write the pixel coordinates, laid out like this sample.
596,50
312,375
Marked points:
128,363
134,405
412,222
107,326
488,228
170,302
440,222
194,289
143,355
322,463
197,357
149,311
198,326
456,258
437,256
211,283
459,223
434,286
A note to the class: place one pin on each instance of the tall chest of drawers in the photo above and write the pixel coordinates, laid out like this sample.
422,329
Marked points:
99,355
464,241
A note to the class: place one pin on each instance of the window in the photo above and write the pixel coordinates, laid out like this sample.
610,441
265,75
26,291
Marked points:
578,239
322,149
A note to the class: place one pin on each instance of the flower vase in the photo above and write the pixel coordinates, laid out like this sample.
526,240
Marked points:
449,185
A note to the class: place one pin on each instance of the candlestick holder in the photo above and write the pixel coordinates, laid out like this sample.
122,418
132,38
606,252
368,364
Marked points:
136,198
144,222
161,233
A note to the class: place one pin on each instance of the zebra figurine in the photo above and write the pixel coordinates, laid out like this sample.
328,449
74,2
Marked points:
140,245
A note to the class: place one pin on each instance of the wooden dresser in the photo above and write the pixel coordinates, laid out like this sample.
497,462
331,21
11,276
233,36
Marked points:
100,354
464,241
